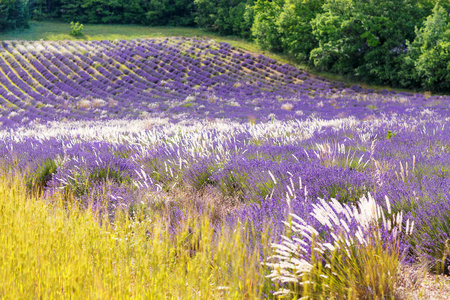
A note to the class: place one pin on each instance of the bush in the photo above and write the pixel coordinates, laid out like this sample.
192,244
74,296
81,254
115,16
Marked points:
264,28
155,12
76,29
39,178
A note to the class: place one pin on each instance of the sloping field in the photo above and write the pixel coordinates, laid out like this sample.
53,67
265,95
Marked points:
190,154
177,78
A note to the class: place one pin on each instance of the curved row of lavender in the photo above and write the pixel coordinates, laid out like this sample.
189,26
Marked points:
181,122
175,77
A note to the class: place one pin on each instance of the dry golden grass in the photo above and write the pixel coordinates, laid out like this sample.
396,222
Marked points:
53,249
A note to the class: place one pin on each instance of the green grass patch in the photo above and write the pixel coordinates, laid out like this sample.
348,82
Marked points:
82,183
37,180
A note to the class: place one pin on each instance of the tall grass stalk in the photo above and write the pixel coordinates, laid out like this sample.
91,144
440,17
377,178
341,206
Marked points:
54,249
355,262
359,272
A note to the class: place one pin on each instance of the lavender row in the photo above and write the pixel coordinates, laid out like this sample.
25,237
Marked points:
177,78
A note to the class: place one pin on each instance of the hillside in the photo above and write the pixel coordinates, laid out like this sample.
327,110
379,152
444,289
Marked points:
177,78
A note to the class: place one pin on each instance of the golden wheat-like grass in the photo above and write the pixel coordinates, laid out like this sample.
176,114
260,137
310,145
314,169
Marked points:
53,249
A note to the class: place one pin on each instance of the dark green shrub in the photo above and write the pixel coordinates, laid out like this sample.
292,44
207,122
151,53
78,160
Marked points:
14,14
225,17
294,25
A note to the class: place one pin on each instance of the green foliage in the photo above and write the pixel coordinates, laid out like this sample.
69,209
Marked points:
14,14
143,12
201,178
169,12
155,12
44,9
364,39
430,51
344,193
225,17
76,29
82,182
3,17
234,184
37,180
264,28
294,25
70,10
285,26
390,134
241,19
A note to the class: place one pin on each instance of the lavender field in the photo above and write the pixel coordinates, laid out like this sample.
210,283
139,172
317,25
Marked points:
336,189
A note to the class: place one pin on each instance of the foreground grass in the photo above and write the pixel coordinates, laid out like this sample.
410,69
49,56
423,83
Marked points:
57,31
55,250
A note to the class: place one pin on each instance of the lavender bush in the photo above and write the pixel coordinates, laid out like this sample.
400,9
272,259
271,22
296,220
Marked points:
177,123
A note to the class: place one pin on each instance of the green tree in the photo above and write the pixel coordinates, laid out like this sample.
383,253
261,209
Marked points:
156,12
134,11
206,13
14,14
3,16
113,12
182,13
72,10
225,17
364,38
241,18
294,26
430,51
264,29
94,11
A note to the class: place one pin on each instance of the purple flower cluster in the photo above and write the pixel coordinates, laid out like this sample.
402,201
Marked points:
141,117
176,77
267,170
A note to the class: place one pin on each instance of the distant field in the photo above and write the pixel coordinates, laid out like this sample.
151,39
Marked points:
56,31
176,78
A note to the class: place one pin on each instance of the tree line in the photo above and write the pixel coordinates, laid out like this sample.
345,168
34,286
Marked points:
402,43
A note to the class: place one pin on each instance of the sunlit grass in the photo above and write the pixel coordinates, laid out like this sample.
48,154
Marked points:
56,250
